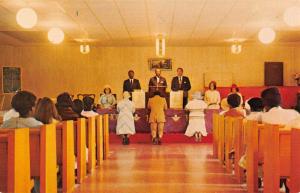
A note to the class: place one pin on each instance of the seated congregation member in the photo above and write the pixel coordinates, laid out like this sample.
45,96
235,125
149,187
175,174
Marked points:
65,107
196,125
88,103
157,104
10,114
212,96
234,101
274,114
107,99
46,111
78,107
235,90
23,103
256,108
125,123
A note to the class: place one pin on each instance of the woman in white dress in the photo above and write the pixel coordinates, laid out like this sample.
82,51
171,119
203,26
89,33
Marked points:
212,96
196,125
125,123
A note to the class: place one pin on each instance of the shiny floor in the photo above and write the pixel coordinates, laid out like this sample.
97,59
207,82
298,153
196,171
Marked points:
169,168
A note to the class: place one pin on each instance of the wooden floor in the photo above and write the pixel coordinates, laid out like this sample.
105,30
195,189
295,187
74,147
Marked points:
170,168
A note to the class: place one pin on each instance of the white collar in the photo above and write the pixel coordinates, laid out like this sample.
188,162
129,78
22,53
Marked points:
275,108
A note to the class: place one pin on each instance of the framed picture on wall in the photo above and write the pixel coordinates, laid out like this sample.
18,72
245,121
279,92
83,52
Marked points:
11,79
161,63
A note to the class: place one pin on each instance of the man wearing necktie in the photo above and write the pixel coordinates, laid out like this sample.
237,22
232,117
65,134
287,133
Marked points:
181,82
131,83
157,83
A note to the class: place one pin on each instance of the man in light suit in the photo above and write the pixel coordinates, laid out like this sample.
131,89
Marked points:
157,83
181,82
131,83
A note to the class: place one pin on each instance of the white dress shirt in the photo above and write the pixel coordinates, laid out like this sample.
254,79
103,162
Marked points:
278,115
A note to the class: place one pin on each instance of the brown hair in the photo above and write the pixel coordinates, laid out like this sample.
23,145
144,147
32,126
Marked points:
46,111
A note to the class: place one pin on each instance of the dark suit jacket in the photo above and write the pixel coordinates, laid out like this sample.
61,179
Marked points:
185,85
127,86
153,83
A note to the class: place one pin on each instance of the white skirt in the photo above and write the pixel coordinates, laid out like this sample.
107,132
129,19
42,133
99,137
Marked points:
125,124
196,124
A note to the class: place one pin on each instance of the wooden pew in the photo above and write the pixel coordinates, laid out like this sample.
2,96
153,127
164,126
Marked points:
99,139
65,154
43,157
106,136
239,144
91,144
283,151
295,160
81,149
221,138
228,135
15,161
215,134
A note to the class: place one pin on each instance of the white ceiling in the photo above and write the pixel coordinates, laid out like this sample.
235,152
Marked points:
137,22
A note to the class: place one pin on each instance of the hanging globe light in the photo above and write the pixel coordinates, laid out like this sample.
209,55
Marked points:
236,48
84,49
266,35
56,35
291,16
26,18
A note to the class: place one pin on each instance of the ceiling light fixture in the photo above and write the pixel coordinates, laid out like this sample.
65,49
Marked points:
160,46
84,49
56,35
291,16
266,35
236,48
26,18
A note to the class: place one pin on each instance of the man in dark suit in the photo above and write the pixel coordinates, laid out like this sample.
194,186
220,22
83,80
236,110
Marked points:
181,82
157,83
131,83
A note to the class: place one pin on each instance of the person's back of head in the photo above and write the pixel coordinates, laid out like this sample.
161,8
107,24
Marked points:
88,103
64,100
271,98
234,100
256,104
156,93
23,102
46,111
78,106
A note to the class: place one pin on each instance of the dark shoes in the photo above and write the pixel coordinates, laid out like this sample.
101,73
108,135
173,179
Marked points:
125,140
156,141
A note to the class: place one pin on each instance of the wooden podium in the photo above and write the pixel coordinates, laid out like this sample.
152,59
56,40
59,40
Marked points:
138,97
176,99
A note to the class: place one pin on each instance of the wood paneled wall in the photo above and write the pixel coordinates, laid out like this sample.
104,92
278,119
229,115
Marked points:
49,70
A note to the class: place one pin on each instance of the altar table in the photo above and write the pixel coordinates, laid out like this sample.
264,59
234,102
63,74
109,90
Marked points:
176,120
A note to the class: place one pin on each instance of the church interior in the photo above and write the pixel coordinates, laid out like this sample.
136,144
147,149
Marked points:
156,96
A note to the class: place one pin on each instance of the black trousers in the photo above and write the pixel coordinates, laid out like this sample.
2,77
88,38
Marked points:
185,101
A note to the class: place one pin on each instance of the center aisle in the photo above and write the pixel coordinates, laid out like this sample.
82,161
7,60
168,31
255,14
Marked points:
169,168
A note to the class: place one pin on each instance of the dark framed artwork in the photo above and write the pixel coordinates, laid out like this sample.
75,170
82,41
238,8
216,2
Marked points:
11,79
161,63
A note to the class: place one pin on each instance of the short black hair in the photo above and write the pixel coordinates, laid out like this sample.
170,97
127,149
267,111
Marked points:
256,104
64,100
157,93
271,97
78,106
88,103
180,69
23,102
234,100
130,71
